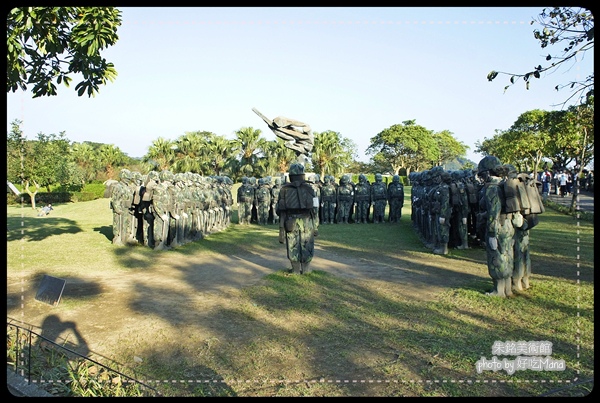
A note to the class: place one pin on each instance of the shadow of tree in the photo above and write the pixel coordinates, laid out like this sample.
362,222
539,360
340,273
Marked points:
38,228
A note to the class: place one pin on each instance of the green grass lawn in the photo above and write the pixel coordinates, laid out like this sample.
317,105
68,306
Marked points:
301,335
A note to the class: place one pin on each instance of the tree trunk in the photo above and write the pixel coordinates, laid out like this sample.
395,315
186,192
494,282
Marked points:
32,195
576,184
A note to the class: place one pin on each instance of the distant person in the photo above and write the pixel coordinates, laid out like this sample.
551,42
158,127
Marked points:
44,211
562,183
546,179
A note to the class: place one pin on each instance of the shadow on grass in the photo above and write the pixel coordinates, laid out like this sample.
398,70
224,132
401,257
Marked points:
106,230
38,228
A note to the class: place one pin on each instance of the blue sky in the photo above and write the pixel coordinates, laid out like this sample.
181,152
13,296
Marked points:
356,71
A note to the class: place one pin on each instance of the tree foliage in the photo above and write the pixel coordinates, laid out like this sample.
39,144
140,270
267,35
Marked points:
48,45
409,146
563,137
38,162
561,25
331,154
450,148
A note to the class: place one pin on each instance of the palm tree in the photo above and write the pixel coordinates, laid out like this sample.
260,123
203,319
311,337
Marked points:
86,158
191,152
329,155
111,158
282,155
221,151
161,154
249,143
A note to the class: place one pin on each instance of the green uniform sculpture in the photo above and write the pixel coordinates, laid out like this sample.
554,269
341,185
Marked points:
499,231
298,225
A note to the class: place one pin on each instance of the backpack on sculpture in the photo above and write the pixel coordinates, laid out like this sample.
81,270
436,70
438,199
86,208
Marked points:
521,195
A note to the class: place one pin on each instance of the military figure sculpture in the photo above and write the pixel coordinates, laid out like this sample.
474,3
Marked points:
522,258
328,200
164,212
274,197
295,208
362,200
442,210
254,215
137,222
345,199
314,181
245,199
379,199
472,187
395,199
460,211
499,229
152,181
517,202
263,202
122,199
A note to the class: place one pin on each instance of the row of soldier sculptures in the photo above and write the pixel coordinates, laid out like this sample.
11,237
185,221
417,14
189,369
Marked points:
444,207
163,209
341,202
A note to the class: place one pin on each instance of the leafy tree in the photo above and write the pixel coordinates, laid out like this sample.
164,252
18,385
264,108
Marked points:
15,150
282,155
249,143
331,153
86,157
537,136
222,151
524,144
191,152
112,158
409,146
71,176
36,162
267,163
161,154
559,25
51,44
583,122
450,148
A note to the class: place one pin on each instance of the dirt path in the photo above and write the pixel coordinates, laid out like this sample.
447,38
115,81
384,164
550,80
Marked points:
173,297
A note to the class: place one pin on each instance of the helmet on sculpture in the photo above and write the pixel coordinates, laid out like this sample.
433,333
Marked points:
396,179
446,177
488,163
296,169
362,178
511,170
125,174
378,177
166,175
152,176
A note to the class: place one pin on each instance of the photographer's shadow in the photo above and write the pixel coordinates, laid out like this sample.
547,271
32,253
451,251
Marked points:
56,331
